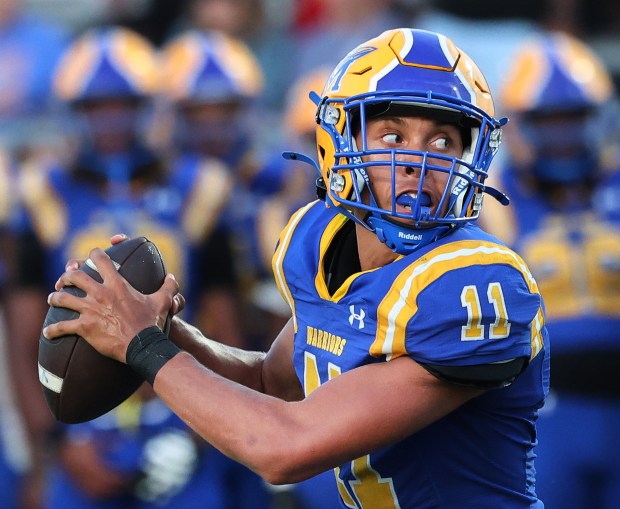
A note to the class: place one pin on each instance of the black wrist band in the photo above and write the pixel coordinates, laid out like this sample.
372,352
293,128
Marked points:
149,351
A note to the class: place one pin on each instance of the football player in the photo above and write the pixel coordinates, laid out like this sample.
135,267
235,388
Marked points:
560,98
107,80
210,80
416,357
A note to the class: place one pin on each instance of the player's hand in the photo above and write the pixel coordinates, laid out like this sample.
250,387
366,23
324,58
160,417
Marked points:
179,301
112,312
76,263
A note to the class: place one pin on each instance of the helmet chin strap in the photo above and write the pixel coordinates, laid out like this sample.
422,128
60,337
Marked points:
402,239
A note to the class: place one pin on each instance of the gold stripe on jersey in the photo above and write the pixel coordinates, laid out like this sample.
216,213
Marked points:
278,258
400,303
536,328
47,211
210,192
327,238
321,277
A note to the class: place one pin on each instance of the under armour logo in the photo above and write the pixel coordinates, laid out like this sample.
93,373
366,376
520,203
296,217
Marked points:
357,316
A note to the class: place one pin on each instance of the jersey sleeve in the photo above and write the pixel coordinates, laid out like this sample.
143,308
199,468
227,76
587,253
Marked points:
468,304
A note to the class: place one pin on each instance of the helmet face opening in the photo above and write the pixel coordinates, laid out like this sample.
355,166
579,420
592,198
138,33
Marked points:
565,146
462,175
209,128
110,126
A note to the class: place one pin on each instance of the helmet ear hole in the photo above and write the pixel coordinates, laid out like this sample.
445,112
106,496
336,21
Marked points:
466,137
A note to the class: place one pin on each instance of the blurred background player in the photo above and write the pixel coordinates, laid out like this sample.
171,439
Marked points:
212,82
110,179
293,185
142,456
30,46
209,81
561,139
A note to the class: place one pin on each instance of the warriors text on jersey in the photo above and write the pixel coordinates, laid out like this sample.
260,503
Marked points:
463,300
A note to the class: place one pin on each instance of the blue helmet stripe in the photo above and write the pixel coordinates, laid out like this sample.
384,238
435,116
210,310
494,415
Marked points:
427,51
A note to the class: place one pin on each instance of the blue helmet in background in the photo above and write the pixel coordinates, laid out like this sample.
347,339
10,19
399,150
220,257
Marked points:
106,80
212,80
107,63
560,94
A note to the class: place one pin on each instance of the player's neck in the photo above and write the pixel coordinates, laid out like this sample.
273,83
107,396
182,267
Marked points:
372,252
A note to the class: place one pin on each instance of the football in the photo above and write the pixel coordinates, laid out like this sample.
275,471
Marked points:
79,383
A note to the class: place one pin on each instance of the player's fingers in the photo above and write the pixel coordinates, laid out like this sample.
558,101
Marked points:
178,304
59,329
170,286
118,238
165,296
74,264
66,300
77,278
102,263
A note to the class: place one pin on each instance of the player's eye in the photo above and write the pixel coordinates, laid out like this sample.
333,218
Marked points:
441,144
391,139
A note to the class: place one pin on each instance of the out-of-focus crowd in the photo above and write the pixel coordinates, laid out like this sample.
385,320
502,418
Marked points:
168,120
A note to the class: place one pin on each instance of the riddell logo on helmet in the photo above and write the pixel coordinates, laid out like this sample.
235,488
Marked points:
409,236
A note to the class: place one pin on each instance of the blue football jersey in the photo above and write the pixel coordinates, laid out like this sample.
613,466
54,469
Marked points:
574,253
136,433
463,300
71,215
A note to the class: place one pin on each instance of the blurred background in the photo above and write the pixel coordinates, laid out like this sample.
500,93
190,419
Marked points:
168,119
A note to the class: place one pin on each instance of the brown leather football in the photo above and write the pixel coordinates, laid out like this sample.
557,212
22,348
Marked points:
79,383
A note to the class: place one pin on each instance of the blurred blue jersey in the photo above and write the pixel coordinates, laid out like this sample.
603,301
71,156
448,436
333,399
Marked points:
179,212
574,254
166,465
